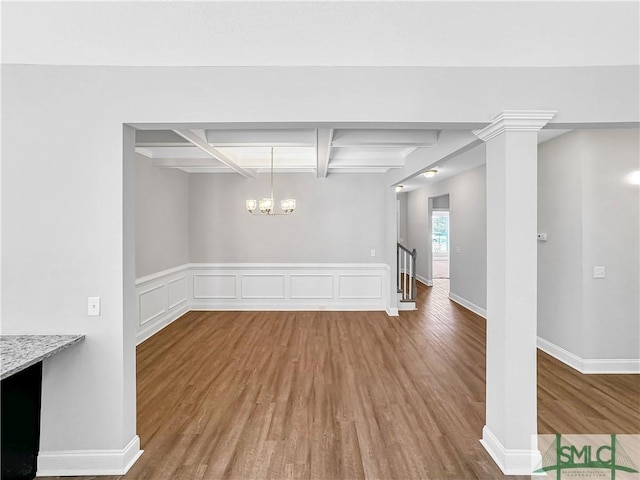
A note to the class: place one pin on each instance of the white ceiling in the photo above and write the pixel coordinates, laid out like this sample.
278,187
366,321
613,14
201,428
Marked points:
465,161
321,33
318,150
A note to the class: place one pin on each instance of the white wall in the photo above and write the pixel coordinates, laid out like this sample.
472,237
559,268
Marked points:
323,33
468,231
66,238
162,217
591,215
339,219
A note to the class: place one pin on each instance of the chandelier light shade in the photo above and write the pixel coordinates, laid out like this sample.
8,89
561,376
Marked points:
267,204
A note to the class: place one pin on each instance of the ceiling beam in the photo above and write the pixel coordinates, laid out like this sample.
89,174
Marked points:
324,137
214,152
262,138
187,163
385,138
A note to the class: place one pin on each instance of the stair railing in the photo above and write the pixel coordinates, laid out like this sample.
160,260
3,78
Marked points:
407,273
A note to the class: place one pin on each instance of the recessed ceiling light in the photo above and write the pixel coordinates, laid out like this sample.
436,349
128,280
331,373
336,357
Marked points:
430,173
399,188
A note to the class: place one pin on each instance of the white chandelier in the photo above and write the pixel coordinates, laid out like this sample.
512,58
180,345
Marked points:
266,205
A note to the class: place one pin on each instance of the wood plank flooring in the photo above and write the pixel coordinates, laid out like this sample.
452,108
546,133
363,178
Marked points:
342,395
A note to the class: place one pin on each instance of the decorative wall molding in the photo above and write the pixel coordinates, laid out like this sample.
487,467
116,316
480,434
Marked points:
165,296
510,461
590,365
515,121
161,298
89,462
290,286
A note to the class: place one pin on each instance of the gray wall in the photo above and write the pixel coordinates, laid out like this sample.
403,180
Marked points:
402,205
162,217
468,231
337,219
560,258
441,202
591,216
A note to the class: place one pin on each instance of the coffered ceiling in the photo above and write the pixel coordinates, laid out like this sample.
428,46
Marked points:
248,151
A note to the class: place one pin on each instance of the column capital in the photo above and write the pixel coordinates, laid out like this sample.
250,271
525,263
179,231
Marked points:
515,121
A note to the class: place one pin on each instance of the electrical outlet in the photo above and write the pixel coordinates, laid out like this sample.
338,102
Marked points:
373,253
457,249
93,306
598,272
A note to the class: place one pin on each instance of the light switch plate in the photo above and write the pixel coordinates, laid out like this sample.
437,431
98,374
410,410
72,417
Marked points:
93,306
598,272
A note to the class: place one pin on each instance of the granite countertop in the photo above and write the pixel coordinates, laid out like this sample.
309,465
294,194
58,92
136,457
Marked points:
18,352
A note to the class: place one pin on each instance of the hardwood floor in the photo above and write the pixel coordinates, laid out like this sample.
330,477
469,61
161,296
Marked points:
336,395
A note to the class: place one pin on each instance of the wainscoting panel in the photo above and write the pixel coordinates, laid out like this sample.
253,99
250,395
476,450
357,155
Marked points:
177,291
165,296
311,286
360,286
153,302
214,286
294,286
262,286
161,297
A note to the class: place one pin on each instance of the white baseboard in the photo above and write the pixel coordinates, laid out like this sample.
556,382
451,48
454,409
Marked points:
468,305
424,281
406,306
392,312
73,463
510,461
284,307
158,324
590,365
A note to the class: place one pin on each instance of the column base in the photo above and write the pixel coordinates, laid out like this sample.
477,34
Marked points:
89,462
510,461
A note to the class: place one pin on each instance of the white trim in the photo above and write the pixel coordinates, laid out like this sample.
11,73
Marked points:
293,266
468,305
145,152
424,281
510,461
287,307
151,328
161,310
182,300
392,312
89,462
406,306
163,273
590,365
515,121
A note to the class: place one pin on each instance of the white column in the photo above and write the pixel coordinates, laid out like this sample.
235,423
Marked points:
509,434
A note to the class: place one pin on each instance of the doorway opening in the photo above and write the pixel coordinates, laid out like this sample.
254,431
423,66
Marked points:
440,243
